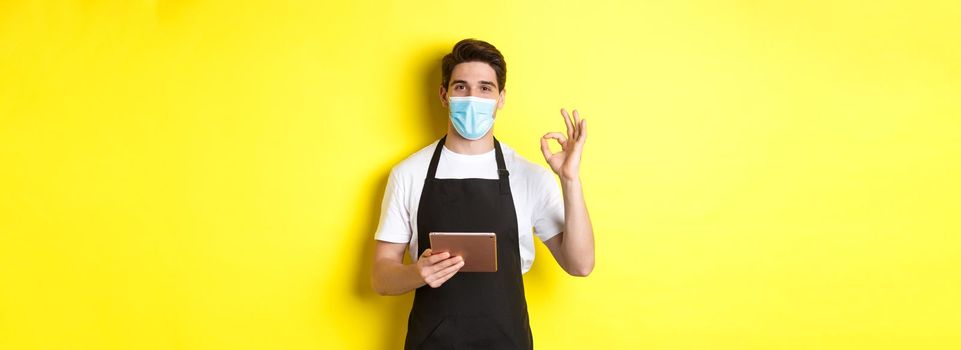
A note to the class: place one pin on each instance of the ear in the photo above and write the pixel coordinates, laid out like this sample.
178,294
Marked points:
500,101
443,96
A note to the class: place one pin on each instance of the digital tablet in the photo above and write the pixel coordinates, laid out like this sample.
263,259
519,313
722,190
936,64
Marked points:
479,249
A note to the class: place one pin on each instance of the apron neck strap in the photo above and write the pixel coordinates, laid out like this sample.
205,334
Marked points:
502,173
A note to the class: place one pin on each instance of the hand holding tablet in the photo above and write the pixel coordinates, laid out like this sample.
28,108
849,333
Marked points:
478,249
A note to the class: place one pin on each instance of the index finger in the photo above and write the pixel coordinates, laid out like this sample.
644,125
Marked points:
434,258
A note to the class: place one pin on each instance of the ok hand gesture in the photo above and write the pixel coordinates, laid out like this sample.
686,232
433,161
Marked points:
567,162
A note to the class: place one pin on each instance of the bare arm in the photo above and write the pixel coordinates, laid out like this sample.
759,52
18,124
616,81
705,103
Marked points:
392,277
574,248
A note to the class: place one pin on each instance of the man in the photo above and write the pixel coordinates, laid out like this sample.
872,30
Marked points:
470,182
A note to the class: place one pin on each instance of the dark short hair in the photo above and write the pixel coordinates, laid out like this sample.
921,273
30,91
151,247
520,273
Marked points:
473,50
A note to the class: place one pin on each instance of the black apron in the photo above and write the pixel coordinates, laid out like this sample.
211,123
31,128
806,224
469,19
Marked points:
472,310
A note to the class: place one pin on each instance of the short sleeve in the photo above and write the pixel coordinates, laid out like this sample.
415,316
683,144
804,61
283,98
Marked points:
394,223
548,210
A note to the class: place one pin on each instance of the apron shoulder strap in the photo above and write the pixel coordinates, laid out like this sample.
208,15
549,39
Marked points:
502,173
432,168
503,176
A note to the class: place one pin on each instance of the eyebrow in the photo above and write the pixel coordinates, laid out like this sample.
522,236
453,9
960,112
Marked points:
482,82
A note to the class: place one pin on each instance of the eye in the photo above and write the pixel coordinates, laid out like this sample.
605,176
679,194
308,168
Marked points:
458,87
487,88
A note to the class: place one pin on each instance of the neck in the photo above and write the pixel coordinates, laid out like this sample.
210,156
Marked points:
458,144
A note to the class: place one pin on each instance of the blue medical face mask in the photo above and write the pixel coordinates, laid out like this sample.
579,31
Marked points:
471,116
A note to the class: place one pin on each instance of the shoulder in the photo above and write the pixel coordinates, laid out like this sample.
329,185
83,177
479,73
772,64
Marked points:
414,166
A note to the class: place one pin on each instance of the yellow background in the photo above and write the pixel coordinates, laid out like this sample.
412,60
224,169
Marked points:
208,174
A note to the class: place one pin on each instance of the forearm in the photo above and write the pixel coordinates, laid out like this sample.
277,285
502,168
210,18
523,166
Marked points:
394,278
578,242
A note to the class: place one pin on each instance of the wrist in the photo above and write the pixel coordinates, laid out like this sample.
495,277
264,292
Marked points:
569,181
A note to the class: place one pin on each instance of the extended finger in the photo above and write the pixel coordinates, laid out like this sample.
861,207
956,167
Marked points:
582,131
577,126
567,121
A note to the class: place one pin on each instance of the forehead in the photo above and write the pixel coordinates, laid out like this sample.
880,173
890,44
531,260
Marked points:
473,72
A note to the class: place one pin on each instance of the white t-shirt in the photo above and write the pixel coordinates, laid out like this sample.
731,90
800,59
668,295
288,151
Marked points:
537,197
